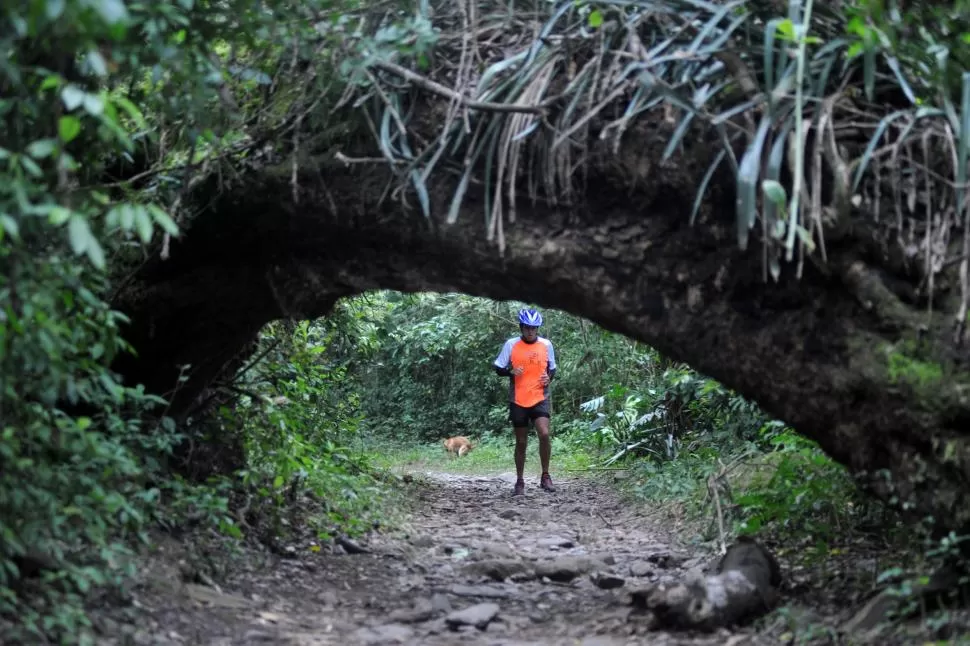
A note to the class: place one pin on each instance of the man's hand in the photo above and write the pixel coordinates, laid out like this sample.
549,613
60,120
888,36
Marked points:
544,379
518,371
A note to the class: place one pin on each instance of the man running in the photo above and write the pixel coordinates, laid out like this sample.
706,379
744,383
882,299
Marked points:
530,363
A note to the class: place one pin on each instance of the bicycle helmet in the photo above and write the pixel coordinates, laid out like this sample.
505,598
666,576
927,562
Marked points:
530,317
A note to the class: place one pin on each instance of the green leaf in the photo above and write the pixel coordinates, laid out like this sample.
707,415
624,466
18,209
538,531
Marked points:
774,191
42,148
79,233
10,226
30,166
126,216
19,24
68,128
747,181
113,11
72,96
50,82
93,105
873,142
787,29
164,220
96,253
58,215
54,8
67,162
142,223
595,18
97,63
702,188
131,109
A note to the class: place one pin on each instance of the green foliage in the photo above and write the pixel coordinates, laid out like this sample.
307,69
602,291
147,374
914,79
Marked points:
427,375
930,40
679,481
678,431
426,368
294,404
108,109
75,453
673,409
806,493
87,89
299,417
905,368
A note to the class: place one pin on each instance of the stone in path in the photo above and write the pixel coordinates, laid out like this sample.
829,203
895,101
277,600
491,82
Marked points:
566,568
479,616
387,634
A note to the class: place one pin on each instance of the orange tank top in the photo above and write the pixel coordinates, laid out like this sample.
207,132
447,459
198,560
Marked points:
534,358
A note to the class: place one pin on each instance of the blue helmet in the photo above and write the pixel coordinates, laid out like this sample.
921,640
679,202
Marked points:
530,317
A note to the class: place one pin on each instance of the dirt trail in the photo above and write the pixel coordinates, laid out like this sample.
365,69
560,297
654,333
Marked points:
477,566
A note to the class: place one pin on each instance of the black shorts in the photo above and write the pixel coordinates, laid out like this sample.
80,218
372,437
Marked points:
521,416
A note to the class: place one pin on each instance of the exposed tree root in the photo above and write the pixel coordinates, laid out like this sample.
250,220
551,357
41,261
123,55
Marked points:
744,588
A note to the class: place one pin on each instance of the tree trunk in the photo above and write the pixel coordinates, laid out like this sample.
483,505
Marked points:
835,353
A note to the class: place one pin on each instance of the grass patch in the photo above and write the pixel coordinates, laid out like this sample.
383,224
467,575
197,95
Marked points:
492,454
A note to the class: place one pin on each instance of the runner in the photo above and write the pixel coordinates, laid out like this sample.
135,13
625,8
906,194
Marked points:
530,363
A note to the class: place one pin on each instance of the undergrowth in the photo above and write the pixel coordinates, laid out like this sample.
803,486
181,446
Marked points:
102,105
784,487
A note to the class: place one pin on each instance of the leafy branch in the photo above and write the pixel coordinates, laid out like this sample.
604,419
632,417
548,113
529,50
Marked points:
782,90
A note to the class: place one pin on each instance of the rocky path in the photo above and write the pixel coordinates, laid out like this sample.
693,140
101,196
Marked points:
476,566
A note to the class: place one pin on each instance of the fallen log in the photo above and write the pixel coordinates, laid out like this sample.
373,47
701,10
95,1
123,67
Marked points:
744,587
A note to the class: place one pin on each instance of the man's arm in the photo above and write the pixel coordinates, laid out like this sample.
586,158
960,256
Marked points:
551,366
503,361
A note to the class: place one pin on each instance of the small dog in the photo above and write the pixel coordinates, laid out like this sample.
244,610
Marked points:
459,445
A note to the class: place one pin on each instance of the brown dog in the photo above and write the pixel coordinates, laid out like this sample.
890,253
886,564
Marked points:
459,445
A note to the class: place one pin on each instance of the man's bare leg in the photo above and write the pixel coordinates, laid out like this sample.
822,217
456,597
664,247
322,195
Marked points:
521,444
545,451
545,446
